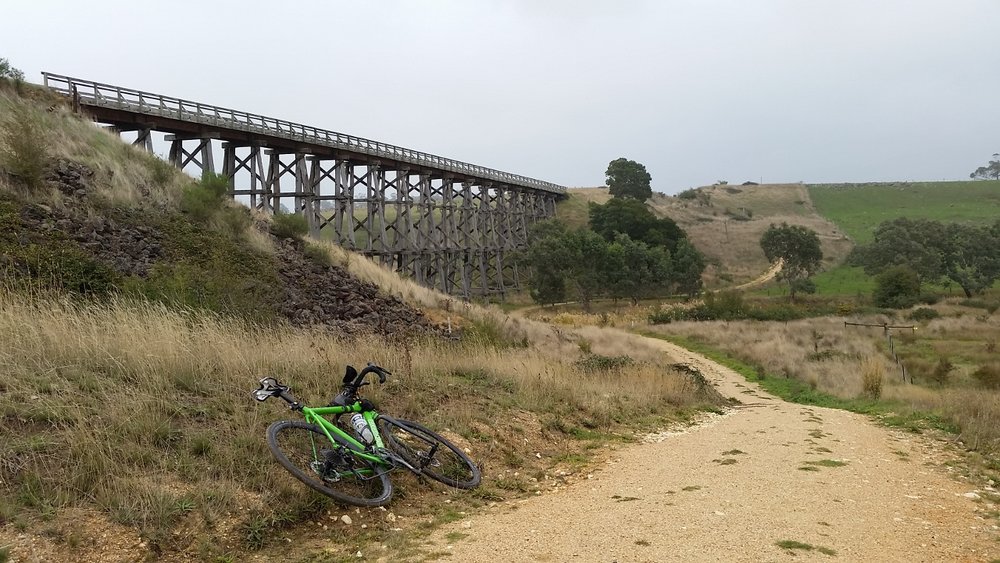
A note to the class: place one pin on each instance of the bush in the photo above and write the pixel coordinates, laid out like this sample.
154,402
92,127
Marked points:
202,200
599,363
665,316
688,194
988,376
317,254
872,373
923,314
289,225
9,72
897,287
942,371
23,153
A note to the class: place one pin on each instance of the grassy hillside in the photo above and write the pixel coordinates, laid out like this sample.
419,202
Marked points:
727,222
858,208
573,210
126,365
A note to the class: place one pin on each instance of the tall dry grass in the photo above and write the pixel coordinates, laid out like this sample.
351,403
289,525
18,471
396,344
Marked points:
851,362
125,175
144,410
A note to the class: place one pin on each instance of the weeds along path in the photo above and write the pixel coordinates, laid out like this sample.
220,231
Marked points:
767,481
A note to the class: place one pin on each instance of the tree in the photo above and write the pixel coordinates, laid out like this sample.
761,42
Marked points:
628,179
636,270
547,259
798,247
968,255
8,71
897,287
588,255
915,243
989,172
633,218
688,266
560,260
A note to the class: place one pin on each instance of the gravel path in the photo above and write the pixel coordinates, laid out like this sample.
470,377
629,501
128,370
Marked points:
731,488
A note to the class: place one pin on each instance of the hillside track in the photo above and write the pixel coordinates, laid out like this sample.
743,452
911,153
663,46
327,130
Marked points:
729,489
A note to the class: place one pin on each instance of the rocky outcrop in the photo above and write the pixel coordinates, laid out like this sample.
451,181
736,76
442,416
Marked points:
317,294
311,293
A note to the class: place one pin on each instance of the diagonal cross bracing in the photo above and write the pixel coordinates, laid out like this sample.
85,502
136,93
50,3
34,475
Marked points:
447,224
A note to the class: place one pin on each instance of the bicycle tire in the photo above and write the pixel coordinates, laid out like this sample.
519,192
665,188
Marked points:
414,442
304,450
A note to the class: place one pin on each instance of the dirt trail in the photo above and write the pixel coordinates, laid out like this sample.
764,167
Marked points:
680,498
763,278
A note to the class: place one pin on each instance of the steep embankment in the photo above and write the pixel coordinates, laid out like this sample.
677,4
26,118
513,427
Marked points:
84,246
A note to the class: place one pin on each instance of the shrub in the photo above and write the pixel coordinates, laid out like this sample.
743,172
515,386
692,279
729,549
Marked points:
897,287
202,200
664,316
923,314
688,194
988,376
23,153
872,373
599,363
942,371
9,72
289,225
317,254
804,285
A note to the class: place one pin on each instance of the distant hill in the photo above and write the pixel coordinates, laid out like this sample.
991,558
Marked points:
858,208
726,223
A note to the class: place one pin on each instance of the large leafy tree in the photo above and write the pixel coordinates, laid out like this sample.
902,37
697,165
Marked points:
989,172
628,179
799,249
636,270
688,265
580,264
588,253
633,218
968,255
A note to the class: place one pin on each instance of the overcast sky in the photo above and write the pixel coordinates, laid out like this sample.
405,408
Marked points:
698,91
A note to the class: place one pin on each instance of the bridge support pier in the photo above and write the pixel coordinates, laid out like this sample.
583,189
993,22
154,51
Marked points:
233,164
200,156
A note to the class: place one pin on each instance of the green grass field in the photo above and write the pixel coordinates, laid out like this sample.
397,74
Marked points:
844,280
859,208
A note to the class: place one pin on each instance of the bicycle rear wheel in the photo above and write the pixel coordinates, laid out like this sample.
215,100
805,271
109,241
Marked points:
432,454
329,468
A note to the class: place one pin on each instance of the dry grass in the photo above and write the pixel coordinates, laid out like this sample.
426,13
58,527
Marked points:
851,362
124,174
140,409
734,246
872,376
818,351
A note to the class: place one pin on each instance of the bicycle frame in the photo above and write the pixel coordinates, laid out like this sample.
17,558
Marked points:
316,416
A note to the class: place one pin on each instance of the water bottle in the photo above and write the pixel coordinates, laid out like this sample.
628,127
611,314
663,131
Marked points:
361,427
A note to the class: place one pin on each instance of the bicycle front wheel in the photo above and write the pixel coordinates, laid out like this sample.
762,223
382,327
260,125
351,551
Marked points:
329,468
430,453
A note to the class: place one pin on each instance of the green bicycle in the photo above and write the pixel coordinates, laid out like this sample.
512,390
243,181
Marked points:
351,464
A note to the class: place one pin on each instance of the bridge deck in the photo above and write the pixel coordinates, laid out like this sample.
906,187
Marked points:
126,106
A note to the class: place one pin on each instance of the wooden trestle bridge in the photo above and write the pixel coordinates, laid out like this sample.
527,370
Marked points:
447,224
